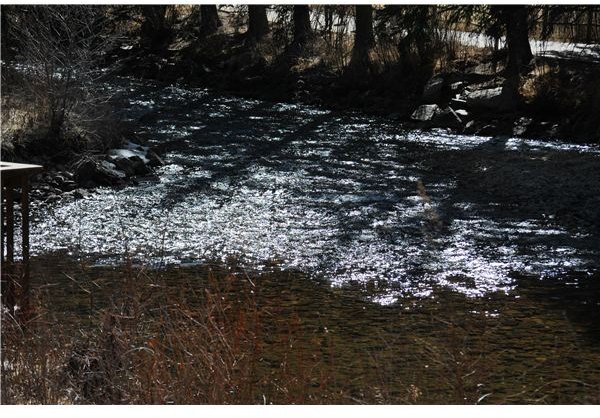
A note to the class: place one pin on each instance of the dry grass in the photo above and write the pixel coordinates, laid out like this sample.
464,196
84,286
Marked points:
154,346
218,336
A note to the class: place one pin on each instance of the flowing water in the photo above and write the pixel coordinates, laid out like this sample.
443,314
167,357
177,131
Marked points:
344,196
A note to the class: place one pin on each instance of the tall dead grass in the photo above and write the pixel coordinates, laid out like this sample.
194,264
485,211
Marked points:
155,344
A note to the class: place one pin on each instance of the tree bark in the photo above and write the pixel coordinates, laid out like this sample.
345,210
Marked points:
590,24
5,32
517,39
302,29
258,25
514,19
154,31
364,39
302,32
209,19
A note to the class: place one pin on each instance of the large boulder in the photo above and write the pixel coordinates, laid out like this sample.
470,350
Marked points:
521,126
425,113
447,118
494,98
432,92
134,159
435,116
91,172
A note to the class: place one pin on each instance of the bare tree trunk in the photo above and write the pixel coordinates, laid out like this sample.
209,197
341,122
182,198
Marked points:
302,32
302,29
209,19
363,38
515,21
4,24
258,25
545,26
154,31
517,39
328,11
590,23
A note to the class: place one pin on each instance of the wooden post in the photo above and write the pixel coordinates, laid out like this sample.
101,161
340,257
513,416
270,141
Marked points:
13,175
25,243
10,225
2,223
9,285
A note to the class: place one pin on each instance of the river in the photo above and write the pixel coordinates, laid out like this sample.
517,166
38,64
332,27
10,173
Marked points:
388,265
343,196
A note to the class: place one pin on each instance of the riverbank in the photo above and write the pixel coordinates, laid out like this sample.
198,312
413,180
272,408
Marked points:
558,101
558,96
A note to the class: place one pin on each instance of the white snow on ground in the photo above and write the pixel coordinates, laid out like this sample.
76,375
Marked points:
553,49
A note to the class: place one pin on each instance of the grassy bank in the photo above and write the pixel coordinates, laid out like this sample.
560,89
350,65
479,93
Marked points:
218,335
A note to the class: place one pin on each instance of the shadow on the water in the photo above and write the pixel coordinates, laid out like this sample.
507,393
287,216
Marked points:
516,182
576,295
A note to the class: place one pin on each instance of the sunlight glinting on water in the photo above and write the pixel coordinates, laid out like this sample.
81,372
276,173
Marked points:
348,197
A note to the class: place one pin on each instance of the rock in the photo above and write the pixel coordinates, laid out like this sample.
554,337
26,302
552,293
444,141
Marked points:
425,113
131,166
432,92
483,69
90,171
125,165
434,116
457,87
154,159
521,125
490,99
447,118
462,113
139,165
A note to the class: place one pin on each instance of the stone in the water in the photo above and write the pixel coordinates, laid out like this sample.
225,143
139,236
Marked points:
521,125
489,99
425,113
462,113
447,117
432,92
154,159
90,171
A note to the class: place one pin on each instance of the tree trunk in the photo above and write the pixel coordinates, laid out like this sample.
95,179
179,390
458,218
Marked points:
514,19
209,19
154,31
258,25
590,24
363,38
517,39
545,26
302,29
4,24
302,32
328,11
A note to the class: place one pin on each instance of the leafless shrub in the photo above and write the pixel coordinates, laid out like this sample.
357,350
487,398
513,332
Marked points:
59,51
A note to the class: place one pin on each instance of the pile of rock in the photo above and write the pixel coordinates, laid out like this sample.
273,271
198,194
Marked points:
116,166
